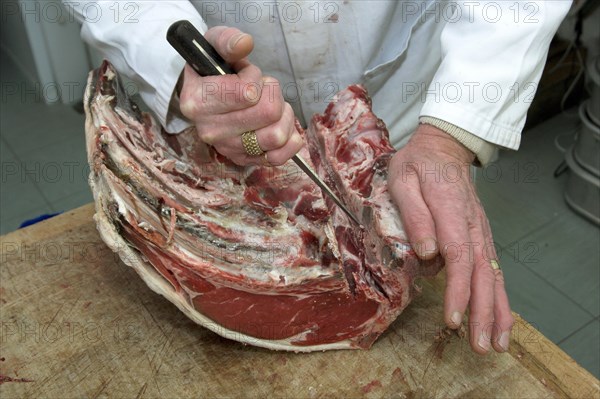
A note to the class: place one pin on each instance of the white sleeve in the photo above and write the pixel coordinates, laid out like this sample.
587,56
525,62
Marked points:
493,55
132,36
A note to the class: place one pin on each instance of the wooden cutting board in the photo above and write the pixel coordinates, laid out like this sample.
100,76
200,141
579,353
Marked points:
76,322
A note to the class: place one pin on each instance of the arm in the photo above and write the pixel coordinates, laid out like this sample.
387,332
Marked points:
133,40
495,54
442,213
221,107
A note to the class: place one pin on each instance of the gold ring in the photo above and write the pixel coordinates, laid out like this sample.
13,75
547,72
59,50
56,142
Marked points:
250,143
495,264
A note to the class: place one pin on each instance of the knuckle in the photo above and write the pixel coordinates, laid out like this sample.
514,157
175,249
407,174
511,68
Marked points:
270,81
276,138
221,41
229,32
188,106
272,110
209,137
193,103
251,93
499,276
213,33
483,271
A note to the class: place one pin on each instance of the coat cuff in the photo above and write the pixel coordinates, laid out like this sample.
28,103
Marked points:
484,150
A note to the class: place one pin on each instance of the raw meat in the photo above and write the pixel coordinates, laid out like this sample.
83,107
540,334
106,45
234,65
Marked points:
255,254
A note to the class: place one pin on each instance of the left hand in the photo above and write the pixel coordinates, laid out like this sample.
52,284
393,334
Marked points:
429,180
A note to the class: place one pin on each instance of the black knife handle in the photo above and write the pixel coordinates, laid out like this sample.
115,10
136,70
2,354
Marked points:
196,50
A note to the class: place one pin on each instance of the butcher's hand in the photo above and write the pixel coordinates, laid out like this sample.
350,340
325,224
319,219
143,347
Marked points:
430,182
224,107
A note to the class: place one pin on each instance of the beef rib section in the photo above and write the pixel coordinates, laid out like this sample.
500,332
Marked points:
255,254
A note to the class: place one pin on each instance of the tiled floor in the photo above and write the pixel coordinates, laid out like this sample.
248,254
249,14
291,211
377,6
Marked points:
550,256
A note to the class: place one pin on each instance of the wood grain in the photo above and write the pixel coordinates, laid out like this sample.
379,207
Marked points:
77,322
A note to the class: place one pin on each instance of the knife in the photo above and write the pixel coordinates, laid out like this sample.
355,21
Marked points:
205,60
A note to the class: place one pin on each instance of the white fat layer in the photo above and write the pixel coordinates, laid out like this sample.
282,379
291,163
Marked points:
159,285
333,243
254,264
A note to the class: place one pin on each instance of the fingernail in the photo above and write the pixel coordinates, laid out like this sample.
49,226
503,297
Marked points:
484,342
233,41
456,318
426,247
504,340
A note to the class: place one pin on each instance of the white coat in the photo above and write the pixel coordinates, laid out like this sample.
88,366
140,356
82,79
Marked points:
474,64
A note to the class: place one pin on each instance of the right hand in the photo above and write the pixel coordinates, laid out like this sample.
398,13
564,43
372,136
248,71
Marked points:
224,107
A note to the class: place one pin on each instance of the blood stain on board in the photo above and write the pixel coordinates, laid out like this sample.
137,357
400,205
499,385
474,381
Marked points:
371,385
5,378
397,374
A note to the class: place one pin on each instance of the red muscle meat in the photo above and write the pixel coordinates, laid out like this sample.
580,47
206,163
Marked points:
255,254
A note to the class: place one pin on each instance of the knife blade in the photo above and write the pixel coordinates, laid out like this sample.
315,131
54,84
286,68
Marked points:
206,61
